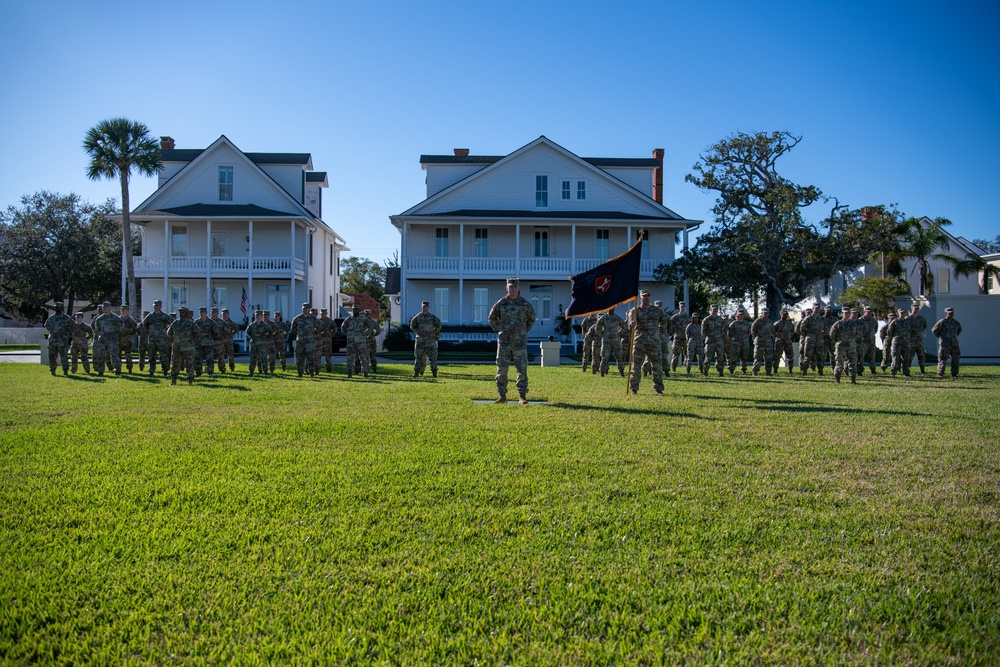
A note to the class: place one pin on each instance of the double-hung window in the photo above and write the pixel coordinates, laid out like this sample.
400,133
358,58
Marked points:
441,242
602,244
482,242
541,191
225,183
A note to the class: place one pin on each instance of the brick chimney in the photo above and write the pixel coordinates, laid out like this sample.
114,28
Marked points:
462,152
658,154
166,143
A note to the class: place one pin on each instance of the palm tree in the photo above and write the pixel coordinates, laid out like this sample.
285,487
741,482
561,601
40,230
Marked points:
973,265
115,147
920,242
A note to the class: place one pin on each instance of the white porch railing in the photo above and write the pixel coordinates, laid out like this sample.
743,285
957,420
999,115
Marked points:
493,267
155,266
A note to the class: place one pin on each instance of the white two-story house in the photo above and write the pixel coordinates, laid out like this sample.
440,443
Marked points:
541,214
222,221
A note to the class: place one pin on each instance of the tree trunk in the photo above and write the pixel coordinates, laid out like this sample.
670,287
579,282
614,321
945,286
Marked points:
774,301
132,296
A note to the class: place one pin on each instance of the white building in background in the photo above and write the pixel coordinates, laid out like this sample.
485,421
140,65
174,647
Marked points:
222,221
540,213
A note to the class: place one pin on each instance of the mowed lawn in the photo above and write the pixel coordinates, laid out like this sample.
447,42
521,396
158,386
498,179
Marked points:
772,521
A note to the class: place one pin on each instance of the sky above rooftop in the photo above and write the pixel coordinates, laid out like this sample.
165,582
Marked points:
896,102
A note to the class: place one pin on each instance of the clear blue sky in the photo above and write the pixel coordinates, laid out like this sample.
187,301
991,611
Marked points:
898,102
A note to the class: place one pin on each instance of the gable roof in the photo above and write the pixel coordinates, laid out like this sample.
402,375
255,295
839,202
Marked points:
225,210
219,211
591,165
189,154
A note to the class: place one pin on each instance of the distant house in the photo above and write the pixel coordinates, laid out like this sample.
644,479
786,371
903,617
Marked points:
365,302
542,214
222,221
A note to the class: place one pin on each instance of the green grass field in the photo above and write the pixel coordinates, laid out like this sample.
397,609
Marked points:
765,521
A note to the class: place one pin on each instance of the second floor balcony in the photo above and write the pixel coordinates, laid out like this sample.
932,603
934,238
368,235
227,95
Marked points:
236,267
502,267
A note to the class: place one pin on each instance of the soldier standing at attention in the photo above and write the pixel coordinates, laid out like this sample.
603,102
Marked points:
678,326
829,356
355,328
866,348
81,333
373,331
947,331
143,342
812,349
647,323
259,335
228,329
762,331
60,326
915,339
696,345
182,336
896,333
325,328
784,330
607,332
589,349
220,329
886,343
665,341
843,334
512,318
205,335
107,330
156,324
712,332
129,328
426,327
303,332
739,342
281,341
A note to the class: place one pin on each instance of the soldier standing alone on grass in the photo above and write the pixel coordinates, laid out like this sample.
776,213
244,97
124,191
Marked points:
512,318
426,327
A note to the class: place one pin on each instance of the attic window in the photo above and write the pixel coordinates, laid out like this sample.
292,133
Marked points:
541,191
225,184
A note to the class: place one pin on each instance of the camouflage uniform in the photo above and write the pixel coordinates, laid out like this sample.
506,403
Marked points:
664,347
325,328
303,332
81,333
372,336
206,335
182,336
696,345
739,344
827,351
886,344
896,333
60,328
272,342
714,335
281,340
648,324
259,335
356,328
784,330
866,346
762,331
915,340
678,326
129,329
512,319
813,349
947,331
426,327
156,325
221,330
228,329
107,329
844,334
607,331
589,348
143,341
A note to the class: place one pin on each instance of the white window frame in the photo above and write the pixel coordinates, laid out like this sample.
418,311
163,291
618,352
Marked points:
541,191
226,186
178,296
944,281
442,299
482,242
278,298
567,190
602,244
540,297
187,239
480,304
581,190
441,242
541,246
224,237
219,297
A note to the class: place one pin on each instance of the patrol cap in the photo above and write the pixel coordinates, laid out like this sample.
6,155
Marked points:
202,309
868,309
258,312
215,309
830,308
106,304
644,292
949,310
157,302
425,303
513,281
658,302
307,305
765,310
694,315
124,306
266,312
355,307
715,306
368,311
225,310
145,312
855,310
58,304
78,315
680,303
277,312
323,310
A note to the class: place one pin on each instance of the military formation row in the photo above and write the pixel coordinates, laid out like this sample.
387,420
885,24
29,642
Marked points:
183,343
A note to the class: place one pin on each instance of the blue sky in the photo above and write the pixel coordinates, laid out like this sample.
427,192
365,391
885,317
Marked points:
897,102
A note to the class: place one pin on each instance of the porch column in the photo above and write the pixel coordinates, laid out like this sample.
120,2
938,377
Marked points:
573,269
461,272
687,298
517,250
250,262
208,267
291,287
403,261
166,264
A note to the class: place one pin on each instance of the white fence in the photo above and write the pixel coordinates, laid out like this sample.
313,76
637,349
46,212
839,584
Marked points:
22,335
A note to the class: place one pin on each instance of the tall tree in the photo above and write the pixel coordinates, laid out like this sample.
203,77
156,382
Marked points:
117,146
885,228
761,238
988,246
363,276
974,265
920,243
60,248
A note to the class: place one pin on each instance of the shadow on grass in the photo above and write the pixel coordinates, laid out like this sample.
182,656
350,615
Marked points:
802,406
630,411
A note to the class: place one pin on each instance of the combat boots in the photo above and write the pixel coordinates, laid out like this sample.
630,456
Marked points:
434,372
522,399
502,399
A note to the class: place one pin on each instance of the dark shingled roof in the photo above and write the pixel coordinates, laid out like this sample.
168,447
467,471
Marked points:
600,162
556,215
315,176
220,211
189,154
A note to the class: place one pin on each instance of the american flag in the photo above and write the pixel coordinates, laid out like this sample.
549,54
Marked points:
243,304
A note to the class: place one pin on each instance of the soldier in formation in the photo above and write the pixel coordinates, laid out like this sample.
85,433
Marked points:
325,328
107,332
259,335
738,333
512,318
281,339
678,328
205,338
371,336
813,348
784,332
356,328
303,332
143,341
81,334
844,335
158,345
713,333
696,345
129,329
915,337
426,327
227,351
183,337
586,328
273,342
762,331
648,324
886,344
947,330
608,332
59,326
868,326
897,335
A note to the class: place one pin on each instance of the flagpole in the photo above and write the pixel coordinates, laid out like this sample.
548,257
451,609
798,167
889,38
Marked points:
631,355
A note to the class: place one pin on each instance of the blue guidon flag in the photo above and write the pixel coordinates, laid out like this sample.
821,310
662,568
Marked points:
606,286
